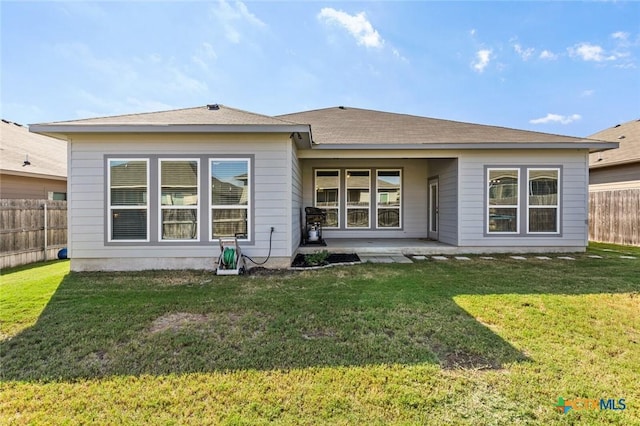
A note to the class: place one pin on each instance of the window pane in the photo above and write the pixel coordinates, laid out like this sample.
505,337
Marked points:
128,184
358,218
543,187
331,220
503,187
327,188
179,224
229,223
179,182
129,224
388,218
388,188
503,220
230,183
327,198
543,220
358,193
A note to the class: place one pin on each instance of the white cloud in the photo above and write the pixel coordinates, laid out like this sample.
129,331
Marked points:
103,107
483,57
620,35
83,54
204,55
472,32
556,118
358,25
547,54
590,52
587,93
232,16
525,54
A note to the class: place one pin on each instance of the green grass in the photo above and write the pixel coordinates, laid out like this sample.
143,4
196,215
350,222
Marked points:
475,342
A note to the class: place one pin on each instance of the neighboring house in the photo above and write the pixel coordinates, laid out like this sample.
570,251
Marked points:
617,168
32,166
379,175
614,187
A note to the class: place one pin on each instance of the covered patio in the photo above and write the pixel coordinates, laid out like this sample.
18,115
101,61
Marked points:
383,246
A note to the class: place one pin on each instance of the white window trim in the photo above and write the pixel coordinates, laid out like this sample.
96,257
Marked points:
489,206
399,208
556,206
315,194
162,207
347,208
248,207
110,207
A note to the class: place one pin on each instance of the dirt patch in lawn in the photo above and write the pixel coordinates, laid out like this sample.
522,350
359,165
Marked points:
177,321
218,325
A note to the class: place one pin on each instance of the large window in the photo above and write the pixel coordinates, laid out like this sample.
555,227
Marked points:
128,201
179,199
543,200
328,196
230,181
535,189
389,191
358,198
503,201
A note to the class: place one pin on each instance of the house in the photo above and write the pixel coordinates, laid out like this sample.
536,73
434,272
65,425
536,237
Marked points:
158,190
614,187
616,168
32,166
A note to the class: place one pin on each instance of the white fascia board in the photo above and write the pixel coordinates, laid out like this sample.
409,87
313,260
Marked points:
63,129
32,175
591,146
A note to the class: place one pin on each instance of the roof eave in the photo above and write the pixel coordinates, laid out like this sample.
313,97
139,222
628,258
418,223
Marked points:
65,129
32,174
614,163
590,145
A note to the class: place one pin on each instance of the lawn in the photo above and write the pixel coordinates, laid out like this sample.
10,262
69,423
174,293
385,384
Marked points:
433,342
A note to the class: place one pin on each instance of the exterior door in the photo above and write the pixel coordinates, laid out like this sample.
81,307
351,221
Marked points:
434,209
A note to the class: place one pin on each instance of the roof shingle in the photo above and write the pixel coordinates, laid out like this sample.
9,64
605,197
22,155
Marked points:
345,125
628,135
48,156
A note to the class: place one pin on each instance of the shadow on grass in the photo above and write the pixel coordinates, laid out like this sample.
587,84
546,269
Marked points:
102,324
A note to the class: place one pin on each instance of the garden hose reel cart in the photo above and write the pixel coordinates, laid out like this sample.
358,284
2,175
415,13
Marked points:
231,261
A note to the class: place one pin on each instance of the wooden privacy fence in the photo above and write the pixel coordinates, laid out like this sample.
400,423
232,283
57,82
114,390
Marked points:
31,231
614,216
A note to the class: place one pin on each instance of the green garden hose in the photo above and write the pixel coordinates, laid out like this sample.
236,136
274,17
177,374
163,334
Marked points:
229,257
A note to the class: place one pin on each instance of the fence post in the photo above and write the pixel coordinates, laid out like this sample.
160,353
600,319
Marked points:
45,231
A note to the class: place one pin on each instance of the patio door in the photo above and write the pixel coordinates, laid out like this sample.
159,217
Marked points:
434,208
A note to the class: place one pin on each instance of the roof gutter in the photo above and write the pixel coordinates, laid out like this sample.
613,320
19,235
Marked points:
591,146
59,130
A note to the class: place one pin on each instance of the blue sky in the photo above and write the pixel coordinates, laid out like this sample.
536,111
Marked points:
560,67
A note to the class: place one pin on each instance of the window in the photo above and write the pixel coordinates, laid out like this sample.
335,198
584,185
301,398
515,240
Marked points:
230,181
358,198
328,196
543,200
57,196
503,201
128,200
389,190
179,199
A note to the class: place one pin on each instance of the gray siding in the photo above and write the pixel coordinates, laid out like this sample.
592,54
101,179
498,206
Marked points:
25,187
296,199
573,203
447,172
87,187
625,176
